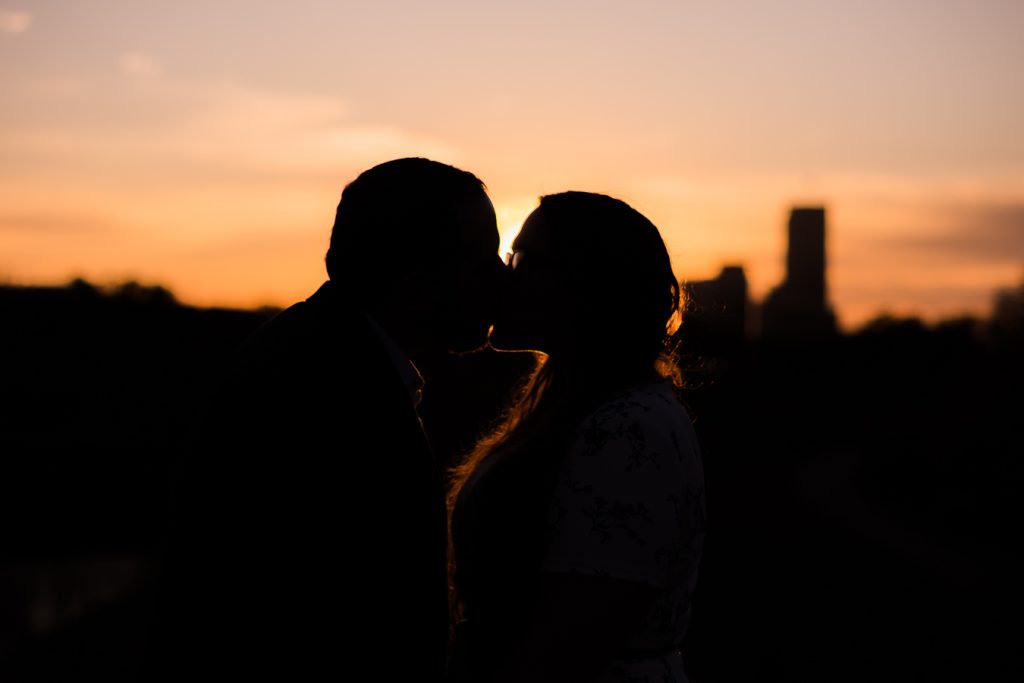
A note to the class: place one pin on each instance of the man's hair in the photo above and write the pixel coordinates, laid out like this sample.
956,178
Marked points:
396,216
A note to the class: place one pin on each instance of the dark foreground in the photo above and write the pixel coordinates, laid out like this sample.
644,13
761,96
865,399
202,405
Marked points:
864,490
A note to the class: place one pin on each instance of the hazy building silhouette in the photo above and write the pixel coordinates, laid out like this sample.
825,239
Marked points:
798,308
717,310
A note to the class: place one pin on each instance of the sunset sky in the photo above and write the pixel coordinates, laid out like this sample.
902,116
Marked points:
203,145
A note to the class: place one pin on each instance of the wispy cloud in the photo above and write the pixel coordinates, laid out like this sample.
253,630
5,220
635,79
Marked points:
213,132
15,21
138,64
43,222
992,234
262,129
951,268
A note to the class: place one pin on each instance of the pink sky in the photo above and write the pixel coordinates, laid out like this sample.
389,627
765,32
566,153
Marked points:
204,148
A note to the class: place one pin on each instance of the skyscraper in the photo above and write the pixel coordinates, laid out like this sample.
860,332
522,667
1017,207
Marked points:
798,308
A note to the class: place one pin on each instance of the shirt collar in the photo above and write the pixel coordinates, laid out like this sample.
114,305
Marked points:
408,371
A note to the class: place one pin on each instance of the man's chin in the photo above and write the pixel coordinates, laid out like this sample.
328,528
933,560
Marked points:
504,339
468,340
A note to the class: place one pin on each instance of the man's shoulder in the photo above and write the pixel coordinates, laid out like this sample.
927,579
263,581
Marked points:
299,358
321,325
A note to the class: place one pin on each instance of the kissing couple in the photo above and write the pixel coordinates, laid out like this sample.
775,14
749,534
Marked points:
316,536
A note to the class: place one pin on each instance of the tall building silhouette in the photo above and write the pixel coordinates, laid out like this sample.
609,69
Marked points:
798,308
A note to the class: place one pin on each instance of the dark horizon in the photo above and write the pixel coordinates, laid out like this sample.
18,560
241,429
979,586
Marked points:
145,290
862,488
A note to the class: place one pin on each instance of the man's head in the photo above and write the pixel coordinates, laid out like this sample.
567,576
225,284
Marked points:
415,244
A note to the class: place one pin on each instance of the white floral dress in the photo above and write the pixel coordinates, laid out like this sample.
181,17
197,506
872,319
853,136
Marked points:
629,504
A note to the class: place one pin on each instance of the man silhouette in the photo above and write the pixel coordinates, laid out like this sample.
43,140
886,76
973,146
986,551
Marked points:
309,534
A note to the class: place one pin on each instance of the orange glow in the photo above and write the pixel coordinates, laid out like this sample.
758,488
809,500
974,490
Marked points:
194,157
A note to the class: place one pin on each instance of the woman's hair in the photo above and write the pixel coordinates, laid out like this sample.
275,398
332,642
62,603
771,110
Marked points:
626,308
627,298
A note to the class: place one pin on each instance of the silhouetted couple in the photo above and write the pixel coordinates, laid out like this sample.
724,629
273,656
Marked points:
311,537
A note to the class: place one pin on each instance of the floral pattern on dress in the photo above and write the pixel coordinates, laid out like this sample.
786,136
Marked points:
630,504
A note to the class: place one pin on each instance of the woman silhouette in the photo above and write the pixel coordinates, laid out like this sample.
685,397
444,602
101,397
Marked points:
577,525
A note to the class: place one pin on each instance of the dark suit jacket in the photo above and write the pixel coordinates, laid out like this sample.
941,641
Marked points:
309,523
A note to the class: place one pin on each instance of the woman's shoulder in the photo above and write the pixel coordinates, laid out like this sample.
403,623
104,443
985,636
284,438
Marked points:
645,417
653,404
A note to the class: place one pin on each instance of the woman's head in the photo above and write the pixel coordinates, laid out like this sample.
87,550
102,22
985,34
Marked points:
589,274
